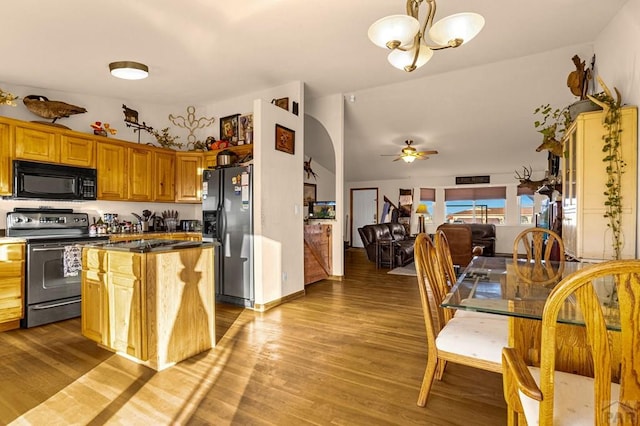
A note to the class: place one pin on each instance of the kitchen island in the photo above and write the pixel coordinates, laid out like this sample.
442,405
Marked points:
149,300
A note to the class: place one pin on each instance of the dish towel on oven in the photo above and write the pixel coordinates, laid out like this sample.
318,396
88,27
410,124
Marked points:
71,260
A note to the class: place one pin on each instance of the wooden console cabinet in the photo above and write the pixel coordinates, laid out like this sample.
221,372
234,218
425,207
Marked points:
317,253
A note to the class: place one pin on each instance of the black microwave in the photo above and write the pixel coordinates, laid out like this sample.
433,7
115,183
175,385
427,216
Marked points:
45,181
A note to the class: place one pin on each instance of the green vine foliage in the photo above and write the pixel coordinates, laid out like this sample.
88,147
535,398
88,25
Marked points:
615,166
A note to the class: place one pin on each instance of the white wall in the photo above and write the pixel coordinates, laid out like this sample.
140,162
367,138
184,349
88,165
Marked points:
325,182
330,112
278,212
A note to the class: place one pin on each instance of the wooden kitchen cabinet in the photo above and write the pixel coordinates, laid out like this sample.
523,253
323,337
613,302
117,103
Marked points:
36,144
126,313
6,166
585,230
210,157
11,284
164,172
112,158
188,177
157,307
140,174
77,151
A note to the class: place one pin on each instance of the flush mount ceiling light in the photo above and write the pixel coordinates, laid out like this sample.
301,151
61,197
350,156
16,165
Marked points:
407,38
129,70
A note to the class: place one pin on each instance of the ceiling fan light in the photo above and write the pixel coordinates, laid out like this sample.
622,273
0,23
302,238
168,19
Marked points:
129,70
408,158
464,26
402,59
401,28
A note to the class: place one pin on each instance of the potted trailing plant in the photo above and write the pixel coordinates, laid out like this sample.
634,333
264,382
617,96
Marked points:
615,164
165,140
552,125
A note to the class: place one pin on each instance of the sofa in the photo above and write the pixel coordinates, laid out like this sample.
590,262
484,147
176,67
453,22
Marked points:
391,235
484,234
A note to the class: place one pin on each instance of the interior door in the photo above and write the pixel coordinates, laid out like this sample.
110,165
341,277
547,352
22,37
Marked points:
364,205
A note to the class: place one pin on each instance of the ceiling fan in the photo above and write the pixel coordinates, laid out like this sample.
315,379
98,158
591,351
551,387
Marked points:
409,153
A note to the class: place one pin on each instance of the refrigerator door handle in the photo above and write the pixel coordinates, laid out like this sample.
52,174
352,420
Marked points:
221,222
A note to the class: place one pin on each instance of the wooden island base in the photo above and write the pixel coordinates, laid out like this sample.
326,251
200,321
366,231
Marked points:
157,308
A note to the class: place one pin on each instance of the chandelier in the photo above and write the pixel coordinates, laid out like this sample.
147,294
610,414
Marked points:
407,38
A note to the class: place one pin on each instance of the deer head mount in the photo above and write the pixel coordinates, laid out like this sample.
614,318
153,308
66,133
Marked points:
550,143
526,182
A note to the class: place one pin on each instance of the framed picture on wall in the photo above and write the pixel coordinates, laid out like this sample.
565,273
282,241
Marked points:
229,129
245,129
285,139
309,193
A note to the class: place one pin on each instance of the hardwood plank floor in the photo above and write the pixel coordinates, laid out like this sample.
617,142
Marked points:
347,353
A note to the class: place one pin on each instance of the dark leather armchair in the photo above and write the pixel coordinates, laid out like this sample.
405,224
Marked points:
484,234
459,236
395,234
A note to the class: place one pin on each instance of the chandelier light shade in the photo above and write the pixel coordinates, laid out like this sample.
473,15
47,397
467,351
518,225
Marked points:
404,58
408,158
396,29
464,26
412,43
129,70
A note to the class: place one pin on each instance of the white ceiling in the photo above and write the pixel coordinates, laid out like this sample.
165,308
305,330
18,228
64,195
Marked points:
474,104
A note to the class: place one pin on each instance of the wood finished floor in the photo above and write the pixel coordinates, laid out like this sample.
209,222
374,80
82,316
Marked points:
347,353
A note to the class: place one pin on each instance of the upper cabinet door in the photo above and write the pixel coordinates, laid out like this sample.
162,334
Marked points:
112,171
37,145
140,186
6,149
164,176
77,151
188,177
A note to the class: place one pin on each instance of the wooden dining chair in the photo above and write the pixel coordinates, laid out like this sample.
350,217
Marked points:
538,245
548,397
470,341
446,264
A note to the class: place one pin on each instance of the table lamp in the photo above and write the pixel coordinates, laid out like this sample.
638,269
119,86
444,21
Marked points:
421,210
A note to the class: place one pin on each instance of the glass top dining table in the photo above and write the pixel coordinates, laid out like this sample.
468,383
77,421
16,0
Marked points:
498,285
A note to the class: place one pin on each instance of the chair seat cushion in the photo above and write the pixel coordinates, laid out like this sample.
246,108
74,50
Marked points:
461,313
572,400
474,337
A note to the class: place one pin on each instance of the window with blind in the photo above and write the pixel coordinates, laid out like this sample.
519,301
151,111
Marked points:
475,205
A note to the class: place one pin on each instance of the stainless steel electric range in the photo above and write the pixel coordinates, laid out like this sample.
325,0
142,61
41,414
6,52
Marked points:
52,278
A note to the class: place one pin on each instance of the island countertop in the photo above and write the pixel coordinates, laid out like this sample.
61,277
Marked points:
149,245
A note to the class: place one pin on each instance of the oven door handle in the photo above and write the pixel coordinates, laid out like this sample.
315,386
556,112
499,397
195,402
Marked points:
47,248
55,305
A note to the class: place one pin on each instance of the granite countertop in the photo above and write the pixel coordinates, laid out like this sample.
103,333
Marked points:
148,246
9,240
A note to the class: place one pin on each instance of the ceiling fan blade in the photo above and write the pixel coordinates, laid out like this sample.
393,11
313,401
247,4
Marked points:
397,159
427,152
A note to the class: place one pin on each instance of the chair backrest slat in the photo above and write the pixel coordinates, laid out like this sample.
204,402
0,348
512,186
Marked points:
625,274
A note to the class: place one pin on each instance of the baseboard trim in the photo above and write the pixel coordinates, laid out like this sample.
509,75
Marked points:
263,307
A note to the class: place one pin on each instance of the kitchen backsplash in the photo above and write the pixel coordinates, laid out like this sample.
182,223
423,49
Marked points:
96,209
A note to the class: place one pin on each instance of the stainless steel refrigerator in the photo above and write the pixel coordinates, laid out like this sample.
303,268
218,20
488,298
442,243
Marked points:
227,218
